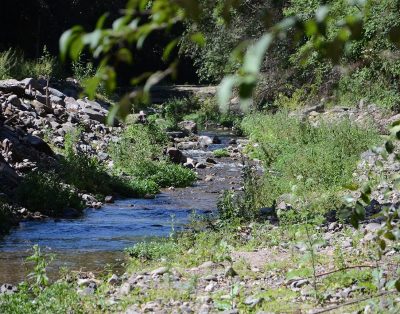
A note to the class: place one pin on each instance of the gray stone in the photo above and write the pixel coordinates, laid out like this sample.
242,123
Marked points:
159,271
188,125
8,289
176,156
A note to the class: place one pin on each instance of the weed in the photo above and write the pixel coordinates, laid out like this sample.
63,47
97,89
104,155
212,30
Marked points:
222,152
152,251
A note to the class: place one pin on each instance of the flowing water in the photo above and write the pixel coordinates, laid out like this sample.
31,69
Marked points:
99,237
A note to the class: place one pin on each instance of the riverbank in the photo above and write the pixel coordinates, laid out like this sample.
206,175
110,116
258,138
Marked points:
277,241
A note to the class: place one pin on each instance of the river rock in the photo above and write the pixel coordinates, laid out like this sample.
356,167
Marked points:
109,199
176,156
216,140
188,125
8,289
205,141
159,271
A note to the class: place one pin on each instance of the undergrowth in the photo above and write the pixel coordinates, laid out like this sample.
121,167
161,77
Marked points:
139,153
306,166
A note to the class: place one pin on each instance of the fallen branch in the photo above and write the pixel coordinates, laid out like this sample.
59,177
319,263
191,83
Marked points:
345,268
353,302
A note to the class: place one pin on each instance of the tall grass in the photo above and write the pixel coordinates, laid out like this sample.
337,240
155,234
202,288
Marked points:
306,165
13,64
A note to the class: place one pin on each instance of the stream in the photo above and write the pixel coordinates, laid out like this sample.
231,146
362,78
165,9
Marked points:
99,237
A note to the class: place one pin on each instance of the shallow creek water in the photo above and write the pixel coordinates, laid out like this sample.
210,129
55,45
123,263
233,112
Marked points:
99,237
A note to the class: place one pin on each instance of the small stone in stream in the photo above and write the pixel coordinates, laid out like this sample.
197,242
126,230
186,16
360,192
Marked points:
113,279
159,271
211,161
200,165
208,178
8,289
216,140
232,141
109,199
230,272
149,196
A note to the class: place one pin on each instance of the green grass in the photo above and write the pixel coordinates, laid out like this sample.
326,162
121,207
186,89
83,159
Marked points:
14,65
139,154
45,192
5,217
222,152
309,165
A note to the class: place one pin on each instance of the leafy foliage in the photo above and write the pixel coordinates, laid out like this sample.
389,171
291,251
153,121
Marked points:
148,251
42,191
14,65
139,153
307,164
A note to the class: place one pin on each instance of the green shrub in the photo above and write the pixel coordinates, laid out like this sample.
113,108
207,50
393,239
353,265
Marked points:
174,110
363,84
222,152
309,165
14,65
6,219
45,192
167,174
154,250
139,153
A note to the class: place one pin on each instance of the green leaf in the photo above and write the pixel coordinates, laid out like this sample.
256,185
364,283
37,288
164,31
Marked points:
67,39
360,210
351,186
382,244
101,21
169,48
389,147
255,54
125,55
397,285
198,38
224,92
76,48
390,236
91,85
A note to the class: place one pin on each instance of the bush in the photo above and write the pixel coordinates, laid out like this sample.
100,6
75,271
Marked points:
6,219
14,65
45,192
308,165
139,153
150,251
222,152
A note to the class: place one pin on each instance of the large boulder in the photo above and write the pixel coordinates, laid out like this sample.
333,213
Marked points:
176,156
12,86
38,144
